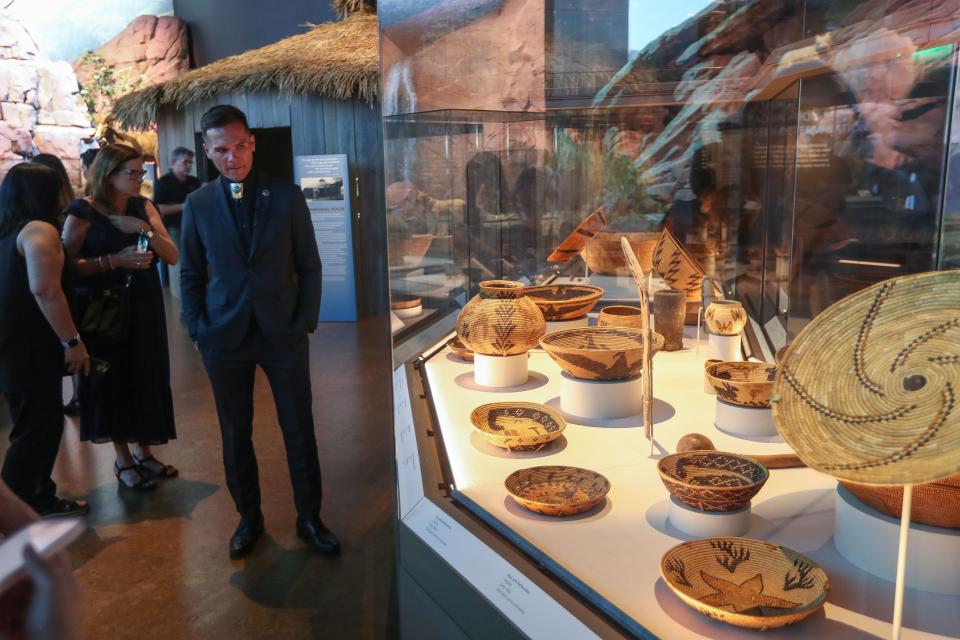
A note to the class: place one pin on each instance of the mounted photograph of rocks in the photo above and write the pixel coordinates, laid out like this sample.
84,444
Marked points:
242,245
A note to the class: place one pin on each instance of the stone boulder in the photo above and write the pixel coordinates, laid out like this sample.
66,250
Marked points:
149,50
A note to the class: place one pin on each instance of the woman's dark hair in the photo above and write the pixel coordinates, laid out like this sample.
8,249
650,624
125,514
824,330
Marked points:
109,159
29,192
53,162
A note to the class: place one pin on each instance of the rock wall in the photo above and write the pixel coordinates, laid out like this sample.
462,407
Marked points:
40,106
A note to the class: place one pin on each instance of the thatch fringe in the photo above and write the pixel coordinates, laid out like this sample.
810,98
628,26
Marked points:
344,8
335,59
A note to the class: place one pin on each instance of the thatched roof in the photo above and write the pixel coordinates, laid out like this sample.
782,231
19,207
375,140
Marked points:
335,59
343,8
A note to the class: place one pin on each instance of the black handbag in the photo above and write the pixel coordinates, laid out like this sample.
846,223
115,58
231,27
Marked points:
104,313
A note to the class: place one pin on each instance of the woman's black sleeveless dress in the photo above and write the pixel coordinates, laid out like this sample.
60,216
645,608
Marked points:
132,402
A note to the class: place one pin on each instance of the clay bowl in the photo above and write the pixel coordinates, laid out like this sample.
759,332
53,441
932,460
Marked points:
557,490
934,503
459,349
747,384
672,261
599,353
518,425
712,480
620,316
745,582
564,301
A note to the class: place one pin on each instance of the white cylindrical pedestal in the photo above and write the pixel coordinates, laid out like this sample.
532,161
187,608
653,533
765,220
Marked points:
745,421
395,323
869,540
500,371
708,523
409,312
725,348
560,325
600,399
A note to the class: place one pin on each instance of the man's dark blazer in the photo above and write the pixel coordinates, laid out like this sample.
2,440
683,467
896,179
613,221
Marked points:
278,282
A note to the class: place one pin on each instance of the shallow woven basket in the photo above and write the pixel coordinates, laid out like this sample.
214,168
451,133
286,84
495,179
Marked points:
459,350
745,582
573,243
404,301
934,503
564,301
557,490
518,425
500,320
599,353
747,384
712,480
672,261
869,391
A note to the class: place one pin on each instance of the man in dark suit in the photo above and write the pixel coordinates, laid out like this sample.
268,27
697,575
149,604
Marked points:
255,237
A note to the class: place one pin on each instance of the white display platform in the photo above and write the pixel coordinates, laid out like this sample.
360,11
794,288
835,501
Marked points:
600,399
749,422
560,325
409,312
870,540
616,550
500,371
725,348
703,524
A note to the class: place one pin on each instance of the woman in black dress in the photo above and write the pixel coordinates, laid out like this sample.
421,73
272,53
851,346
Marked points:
38,337
132,402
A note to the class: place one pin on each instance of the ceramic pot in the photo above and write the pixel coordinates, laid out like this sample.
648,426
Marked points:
604,255
501,320
725,317
620,316
669,311
680,269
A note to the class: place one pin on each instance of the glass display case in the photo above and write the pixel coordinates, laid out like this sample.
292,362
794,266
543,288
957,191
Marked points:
801,151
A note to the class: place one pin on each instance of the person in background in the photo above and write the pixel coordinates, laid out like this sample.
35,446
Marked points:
45,605
71,408
254,234
170,193
131,403
86,159
38,338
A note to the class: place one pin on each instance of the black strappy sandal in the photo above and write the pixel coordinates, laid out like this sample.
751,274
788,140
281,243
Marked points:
165,471
143,484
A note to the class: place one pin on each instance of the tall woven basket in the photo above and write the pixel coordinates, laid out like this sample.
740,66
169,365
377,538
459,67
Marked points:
501,320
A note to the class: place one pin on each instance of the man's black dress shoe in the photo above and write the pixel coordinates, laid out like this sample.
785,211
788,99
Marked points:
317,535
245,537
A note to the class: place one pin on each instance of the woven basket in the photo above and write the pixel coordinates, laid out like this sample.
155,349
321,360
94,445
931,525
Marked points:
604,255
556,490
518,425
620,316
399,301
573,243
459,350
672,261
745,582
564,301
725,317
599,353
500,320
869,391
934,503
747,384
712,480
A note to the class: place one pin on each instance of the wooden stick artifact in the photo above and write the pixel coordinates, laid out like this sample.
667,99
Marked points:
637,270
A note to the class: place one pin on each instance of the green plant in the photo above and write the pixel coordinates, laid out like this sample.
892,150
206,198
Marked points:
103,85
